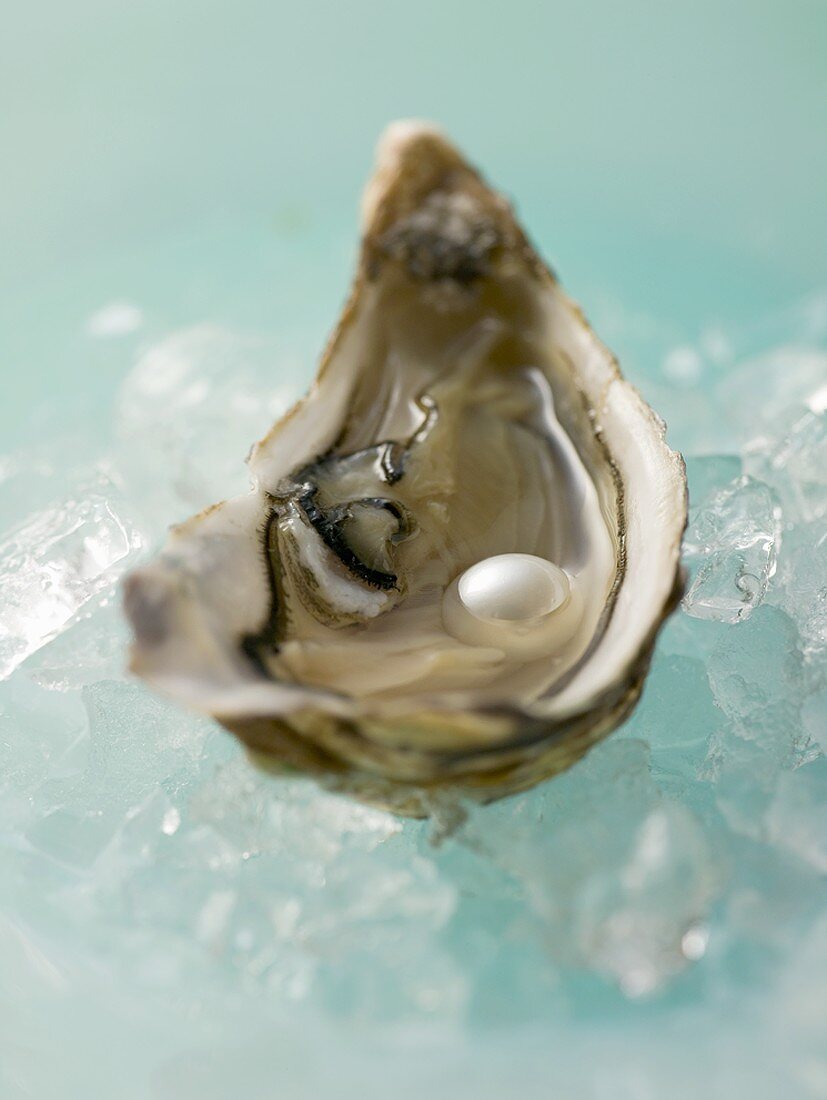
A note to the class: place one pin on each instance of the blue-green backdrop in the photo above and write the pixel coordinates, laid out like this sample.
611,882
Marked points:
203,159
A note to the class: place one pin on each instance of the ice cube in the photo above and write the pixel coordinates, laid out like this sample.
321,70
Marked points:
732,541
94,648
615,873
794,461
677,717
771,387
802,583
759,679
189,412
58,561
642,921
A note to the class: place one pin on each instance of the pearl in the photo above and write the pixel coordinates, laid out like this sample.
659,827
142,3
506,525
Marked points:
519,603
513,587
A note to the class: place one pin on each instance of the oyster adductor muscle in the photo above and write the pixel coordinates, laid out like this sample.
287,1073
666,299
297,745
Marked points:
458,547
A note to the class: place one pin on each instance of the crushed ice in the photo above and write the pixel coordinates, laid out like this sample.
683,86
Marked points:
138,842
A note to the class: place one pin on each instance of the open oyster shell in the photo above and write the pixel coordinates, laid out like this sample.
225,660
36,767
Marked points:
463,409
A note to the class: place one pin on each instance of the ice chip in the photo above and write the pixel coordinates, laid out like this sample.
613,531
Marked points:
75,838
188,413
615,873
93,649
763,388
732,540
794,462
802,588
57,561
637,919
757,677
814,717
677,717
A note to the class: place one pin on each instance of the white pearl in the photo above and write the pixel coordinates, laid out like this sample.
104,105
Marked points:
519,603
513,587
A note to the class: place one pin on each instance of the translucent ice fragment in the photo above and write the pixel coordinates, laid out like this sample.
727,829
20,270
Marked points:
758,676
762,388
641,923
814,717
189,412
803,583
794,463
616,874
74,838
92,650
733,539
137,743
677,717
57,561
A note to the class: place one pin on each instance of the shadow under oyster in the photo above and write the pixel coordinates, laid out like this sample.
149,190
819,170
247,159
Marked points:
375,612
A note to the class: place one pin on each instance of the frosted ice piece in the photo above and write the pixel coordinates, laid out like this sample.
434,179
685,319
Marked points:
138,743
733,539
758,676
803,583
99,807
34,478
677,717
92,650
615,874
56,562
814,717
73,838
641,924
762,389
794,463
42,738
188,413
238,802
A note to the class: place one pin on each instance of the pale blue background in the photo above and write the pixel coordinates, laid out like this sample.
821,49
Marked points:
204,160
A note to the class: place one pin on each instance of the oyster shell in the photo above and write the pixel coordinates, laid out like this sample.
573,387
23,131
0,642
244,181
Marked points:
463,410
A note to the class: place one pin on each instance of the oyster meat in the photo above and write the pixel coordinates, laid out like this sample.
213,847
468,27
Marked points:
458,547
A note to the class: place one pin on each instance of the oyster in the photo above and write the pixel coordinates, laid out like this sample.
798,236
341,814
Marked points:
459,546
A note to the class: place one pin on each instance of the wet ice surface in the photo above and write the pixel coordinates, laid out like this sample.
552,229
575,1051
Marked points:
733,540
59,560
653,923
